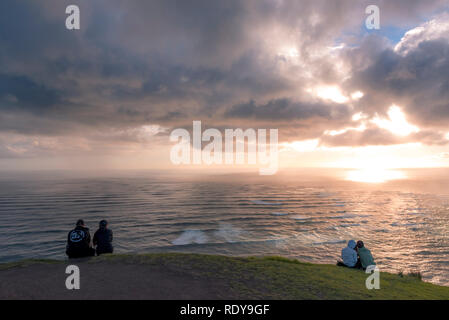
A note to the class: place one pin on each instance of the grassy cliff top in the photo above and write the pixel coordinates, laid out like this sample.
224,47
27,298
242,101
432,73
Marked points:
195,276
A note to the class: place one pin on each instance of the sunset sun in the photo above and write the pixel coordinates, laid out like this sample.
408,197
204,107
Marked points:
374,175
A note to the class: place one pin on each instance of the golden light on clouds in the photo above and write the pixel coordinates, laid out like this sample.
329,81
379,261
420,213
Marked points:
397,123
358,116
302,146
361,127
332,93
357,95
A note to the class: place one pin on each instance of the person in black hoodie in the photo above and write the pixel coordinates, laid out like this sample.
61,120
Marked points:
78,242
103,238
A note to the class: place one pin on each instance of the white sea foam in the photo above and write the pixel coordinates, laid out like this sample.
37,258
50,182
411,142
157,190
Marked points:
299,217
229,233
279,213
266,203
189,237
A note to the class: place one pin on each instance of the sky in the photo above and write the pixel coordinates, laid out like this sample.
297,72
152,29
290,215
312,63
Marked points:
109,95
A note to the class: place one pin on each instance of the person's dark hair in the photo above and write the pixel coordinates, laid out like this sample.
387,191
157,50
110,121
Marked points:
103,224
360,244
80,222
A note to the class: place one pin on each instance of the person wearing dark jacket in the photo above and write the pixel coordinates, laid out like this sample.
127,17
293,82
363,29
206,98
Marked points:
103,238
78,242
366,258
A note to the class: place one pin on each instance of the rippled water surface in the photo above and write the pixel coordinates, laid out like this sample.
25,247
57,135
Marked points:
405,228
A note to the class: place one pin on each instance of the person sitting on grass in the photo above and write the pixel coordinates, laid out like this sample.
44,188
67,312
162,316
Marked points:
78,242
103,239
365,256
349,256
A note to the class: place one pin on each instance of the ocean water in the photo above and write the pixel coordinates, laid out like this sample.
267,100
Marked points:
404,223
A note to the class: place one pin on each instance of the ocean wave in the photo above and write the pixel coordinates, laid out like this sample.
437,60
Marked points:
329,242
347,225
266,203
279,213
189,237
229,233
345,216
397,224
299,217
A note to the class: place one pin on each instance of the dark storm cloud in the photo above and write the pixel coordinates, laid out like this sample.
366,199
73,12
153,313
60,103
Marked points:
417,81
285,109
135,63
152,59
22,92
377,136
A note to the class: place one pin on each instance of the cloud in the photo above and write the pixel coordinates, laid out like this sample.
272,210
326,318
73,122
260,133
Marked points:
285,109
437,28
375,136
413,75
22,92
138,64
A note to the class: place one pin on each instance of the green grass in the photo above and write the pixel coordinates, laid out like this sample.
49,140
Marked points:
26,263
280,278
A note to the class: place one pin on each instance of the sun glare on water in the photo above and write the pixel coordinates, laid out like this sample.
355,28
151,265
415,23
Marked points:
374,175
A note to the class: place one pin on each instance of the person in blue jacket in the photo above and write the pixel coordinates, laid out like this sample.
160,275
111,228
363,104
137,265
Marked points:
349,256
